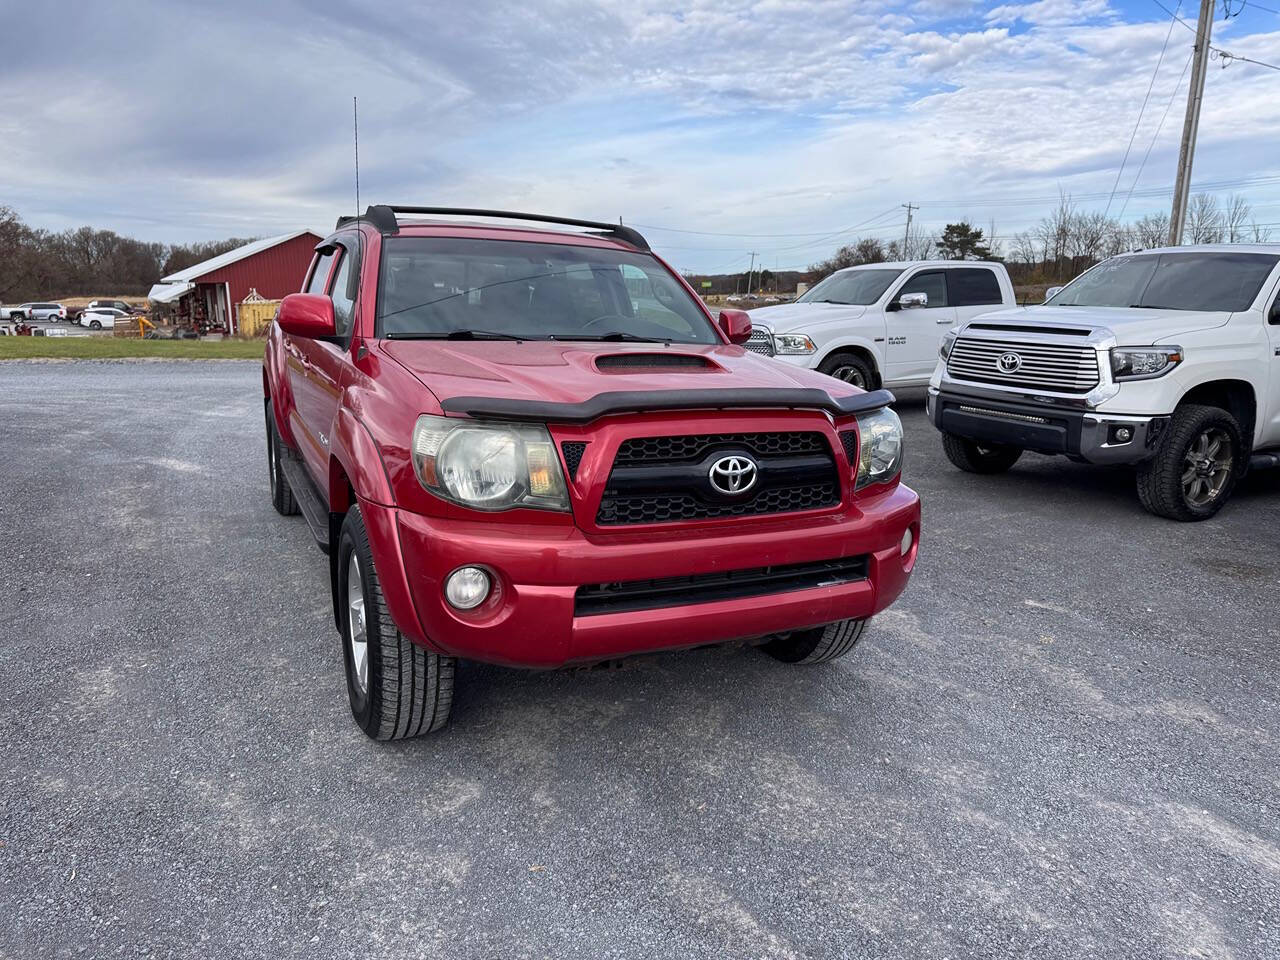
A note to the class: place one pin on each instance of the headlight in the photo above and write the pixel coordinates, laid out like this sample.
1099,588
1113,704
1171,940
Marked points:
792,343
1143,363
948,341
489,466
880,447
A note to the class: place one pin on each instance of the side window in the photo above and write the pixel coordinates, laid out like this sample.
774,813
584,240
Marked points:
934,285
320,273
972,287
1273,315
343,294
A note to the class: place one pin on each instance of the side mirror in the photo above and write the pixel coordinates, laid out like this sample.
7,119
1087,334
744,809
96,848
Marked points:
1051,293
913,301
307,315
736,325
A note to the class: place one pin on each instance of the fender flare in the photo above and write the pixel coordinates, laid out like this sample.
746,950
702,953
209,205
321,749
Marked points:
354,451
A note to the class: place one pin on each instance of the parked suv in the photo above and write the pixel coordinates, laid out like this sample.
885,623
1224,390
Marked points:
48,312
536,447
880,324
1168,359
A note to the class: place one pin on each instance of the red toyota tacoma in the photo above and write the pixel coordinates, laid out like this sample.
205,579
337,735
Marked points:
528,443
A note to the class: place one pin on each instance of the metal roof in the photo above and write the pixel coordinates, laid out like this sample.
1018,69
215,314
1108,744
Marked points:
168,292
232,256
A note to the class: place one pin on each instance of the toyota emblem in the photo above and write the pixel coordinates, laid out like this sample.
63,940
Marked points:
733,475
1009,363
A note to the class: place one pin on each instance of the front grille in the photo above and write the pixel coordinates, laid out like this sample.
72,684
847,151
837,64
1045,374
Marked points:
1050,366
573,451
623,596
761,342
665,479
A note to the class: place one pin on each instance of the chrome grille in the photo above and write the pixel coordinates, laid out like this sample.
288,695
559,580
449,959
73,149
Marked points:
761,342
1065,368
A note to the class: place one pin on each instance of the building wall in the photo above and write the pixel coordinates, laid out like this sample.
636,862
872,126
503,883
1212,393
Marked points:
274,273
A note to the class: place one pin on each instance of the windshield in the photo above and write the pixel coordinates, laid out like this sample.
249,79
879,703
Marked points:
437,287
860,287
1224,282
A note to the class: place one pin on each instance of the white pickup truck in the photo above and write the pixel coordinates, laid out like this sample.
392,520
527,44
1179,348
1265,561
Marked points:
880,324
1168,359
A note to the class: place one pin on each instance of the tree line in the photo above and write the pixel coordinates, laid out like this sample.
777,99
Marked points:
1064,243
45,265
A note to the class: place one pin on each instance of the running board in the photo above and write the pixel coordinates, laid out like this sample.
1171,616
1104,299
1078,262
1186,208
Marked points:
1264,461
309,501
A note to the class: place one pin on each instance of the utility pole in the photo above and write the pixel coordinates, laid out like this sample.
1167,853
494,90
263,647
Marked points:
751,270
1191,123
906,236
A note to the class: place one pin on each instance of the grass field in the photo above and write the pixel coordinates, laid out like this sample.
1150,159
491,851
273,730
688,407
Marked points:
122,348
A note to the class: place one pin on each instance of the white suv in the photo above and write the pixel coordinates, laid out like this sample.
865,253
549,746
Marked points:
880,324
1166,359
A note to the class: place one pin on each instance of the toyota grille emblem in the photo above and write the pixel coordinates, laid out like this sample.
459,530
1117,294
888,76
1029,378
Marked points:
733,475
1009,363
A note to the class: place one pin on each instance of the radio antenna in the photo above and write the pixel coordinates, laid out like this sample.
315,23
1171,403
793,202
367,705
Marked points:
355,129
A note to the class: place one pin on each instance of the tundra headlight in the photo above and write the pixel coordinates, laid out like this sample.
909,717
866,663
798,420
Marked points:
879,447
1143,363
948,341
792,343
488,466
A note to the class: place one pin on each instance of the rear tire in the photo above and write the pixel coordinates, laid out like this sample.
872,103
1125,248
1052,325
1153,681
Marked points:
95,325
974,457
850,368
818,645
1195,467
281,493
397,688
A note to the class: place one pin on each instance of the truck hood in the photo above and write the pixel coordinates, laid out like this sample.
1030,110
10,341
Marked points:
787,317
572,373
1132,327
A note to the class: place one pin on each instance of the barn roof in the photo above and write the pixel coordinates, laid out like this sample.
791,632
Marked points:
231,256
168,292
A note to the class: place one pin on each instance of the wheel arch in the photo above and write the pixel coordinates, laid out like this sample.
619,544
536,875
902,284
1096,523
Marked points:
1237,397
860,350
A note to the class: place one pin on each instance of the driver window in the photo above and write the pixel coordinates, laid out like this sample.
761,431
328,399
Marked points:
933,285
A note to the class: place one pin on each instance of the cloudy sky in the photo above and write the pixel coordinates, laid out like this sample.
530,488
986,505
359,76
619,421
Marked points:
782,126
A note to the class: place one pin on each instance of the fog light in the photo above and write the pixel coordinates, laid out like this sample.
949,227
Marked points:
905,546
467,588
1124,434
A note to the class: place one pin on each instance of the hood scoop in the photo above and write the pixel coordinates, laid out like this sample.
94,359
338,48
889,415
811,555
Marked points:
636,362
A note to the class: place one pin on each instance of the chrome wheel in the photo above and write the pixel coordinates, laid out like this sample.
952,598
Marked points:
1207,466
357,637
850,374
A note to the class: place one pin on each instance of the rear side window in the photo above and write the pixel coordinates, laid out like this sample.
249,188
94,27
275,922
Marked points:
321,272
973,287
933,285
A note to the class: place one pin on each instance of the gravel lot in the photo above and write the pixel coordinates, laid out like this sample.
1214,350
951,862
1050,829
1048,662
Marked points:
1060,743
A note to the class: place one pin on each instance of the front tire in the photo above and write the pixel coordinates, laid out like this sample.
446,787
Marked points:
818,645
974,457
1195,467
282,497
95,325
850,368
397,688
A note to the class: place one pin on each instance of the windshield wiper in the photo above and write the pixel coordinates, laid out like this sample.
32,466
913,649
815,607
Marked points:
616,335
457,335
843,303
1150,306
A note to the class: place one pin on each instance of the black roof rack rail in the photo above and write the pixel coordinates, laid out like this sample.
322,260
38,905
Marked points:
383,217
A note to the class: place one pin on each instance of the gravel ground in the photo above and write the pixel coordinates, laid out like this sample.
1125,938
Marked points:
1060,743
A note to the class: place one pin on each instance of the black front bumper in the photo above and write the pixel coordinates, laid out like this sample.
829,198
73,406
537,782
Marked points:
1097,438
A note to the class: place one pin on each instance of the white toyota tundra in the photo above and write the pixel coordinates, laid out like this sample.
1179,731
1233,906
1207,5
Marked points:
1167,359
880,324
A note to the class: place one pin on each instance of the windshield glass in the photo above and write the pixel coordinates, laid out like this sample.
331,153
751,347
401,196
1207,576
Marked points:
861,287
498,289
1171,281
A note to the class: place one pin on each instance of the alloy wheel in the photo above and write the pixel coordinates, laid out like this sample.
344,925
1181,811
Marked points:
850,374
357,635
1207,466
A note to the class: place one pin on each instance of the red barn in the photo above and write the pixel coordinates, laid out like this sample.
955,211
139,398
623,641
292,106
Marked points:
206,295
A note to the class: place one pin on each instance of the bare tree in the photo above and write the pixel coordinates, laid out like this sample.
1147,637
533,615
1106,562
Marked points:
1259,232
1205,223
1234,220
1151,230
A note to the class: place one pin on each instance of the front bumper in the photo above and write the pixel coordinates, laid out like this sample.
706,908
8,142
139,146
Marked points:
531,621
1103,438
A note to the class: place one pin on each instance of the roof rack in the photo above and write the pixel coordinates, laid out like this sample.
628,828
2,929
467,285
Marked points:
383,218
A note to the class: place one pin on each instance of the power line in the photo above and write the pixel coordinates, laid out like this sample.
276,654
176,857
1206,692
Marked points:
1143,109
1223,54
1159,126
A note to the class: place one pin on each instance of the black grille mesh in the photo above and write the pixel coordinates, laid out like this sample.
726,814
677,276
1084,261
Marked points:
669,449
850,440
573,451
660,509
651,360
